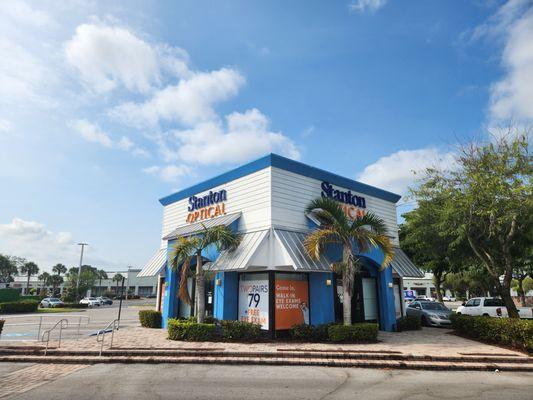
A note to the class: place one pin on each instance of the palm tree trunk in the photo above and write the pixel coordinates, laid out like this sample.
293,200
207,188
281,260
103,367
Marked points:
28,285
347,286
200,289
100,287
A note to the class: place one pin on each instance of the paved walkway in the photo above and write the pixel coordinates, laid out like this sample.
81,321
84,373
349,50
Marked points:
428,341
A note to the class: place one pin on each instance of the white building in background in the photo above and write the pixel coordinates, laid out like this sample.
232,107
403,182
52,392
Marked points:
423,286
140,286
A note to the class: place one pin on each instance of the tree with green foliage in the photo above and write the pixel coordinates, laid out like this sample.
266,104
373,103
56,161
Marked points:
55,281
185,248
88,278
59,269
363,233
488,203
45,280
29,269
101,275
8,268
117,278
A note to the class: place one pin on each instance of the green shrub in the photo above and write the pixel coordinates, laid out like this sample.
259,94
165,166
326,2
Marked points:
320,333
302,332
408,323
190,331
36,298
150,318
14,307
2,321
513,332
8,295
361,332
240,330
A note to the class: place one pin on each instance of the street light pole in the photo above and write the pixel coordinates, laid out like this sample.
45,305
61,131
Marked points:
82,244
128,282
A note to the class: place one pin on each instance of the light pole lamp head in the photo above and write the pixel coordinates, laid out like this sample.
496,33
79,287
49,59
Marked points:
83,244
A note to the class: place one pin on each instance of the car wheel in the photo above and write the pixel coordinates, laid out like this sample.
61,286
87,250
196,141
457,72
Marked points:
424,321
486,315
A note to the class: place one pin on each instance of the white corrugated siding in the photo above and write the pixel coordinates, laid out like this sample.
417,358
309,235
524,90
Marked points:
292,192
249,195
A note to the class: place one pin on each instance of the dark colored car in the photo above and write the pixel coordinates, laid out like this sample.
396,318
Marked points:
105,300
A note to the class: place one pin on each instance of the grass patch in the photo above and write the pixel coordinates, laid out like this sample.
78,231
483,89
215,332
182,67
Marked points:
57,310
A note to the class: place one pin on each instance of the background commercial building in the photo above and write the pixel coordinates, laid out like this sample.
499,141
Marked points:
270,279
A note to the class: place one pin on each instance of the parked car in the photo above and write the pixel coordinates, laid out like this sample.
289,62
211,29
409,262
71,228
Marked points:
431,313
105,301
424,298
91,301
450,298
491,307
51,302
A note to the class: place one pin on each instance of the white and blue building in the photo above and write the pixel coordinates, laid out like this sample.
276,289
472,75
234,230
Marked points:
269,279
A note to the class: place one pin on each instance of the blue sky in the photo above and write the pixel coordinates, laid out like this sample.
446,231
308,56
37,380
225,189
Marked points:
104,108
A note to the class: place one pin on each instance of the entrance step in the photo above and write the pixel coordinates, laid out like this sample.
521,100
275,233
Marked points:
235,360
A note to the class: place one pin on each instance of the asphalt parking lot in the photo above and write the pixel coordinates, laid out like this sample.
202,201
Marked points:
25,327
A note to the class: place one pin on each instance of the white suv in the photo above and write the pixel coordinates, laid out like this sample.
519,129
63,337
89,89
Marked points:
91,301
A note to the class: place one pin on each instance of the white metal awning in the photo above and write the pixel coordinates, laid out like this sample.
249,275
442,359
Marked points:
293,242
239,258
191,229
155,265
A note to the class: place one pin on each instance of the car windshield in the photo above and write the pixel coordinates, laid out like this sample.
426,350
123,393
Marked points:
54,299
434,306
92,298
494,303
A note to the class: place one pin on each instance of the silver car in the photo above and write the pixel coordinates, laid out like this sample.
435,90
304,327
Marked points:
430,313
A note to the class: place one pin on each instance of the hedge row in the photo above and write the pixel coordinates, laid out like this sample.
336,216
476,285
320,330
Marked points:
513,332
408,323
73,305
360,332
14,307
212,330
150,318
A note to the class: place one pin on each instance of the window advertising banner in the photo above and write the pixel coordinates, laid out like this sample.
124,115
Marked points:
292,300
253,299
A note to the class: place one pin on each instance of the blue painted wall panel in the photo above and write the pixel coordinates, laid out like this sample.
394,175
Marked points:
226,300
321,298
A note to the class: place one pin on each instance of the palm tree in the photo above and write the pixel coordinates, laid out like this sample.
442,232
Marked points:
55,281
29,269
356,237
188,247
101,275
45,279
59,269
117,278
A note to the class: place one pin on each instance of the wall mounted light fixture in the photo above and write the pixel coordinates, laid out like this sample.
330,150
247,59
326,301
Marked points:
218,282
328,282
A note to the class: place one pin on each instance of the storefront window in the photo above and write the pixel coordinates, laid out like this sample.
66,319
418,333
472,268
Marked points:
254,298
291,300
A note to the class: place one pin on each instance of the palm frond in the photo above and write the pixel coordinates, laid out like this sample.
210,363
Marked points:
316,241
183,292
222,236
383,243
338,267
370,221
328,211
182,249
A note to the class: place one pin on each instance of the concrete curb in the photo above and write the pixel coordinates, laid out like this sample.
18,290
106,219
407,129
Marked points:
360,363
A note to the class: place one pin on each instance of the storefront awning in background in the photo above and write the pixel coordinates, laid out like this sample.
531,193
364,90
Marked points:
240,257
403,266
191,229
293,242
155,265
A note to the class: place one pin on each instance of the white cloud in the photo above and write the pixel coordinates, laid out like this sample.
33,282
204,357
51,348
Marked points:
5,125
21,13
396,172
169,173
189,102
371,6
31,240
107,56
512,96
247,136
94,134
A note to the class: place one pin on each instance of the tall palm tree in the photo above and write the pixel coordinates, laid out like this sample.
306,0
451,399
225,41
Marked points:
356,237
29,269
59,269
55,281
45,279
188,247
117,278
101,275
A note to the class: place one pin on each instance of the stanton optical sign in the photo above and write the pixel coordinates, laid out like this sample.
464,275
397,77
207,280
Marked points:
209,206
353,205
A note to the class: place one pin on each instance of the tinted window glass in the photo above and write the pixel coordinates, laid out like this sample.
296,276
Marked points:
470,303
434,306
494,303
476,302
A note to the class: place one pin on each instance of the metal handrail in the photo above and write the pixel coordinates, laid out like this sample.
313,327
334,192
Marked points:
100,336
47,333
41,323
